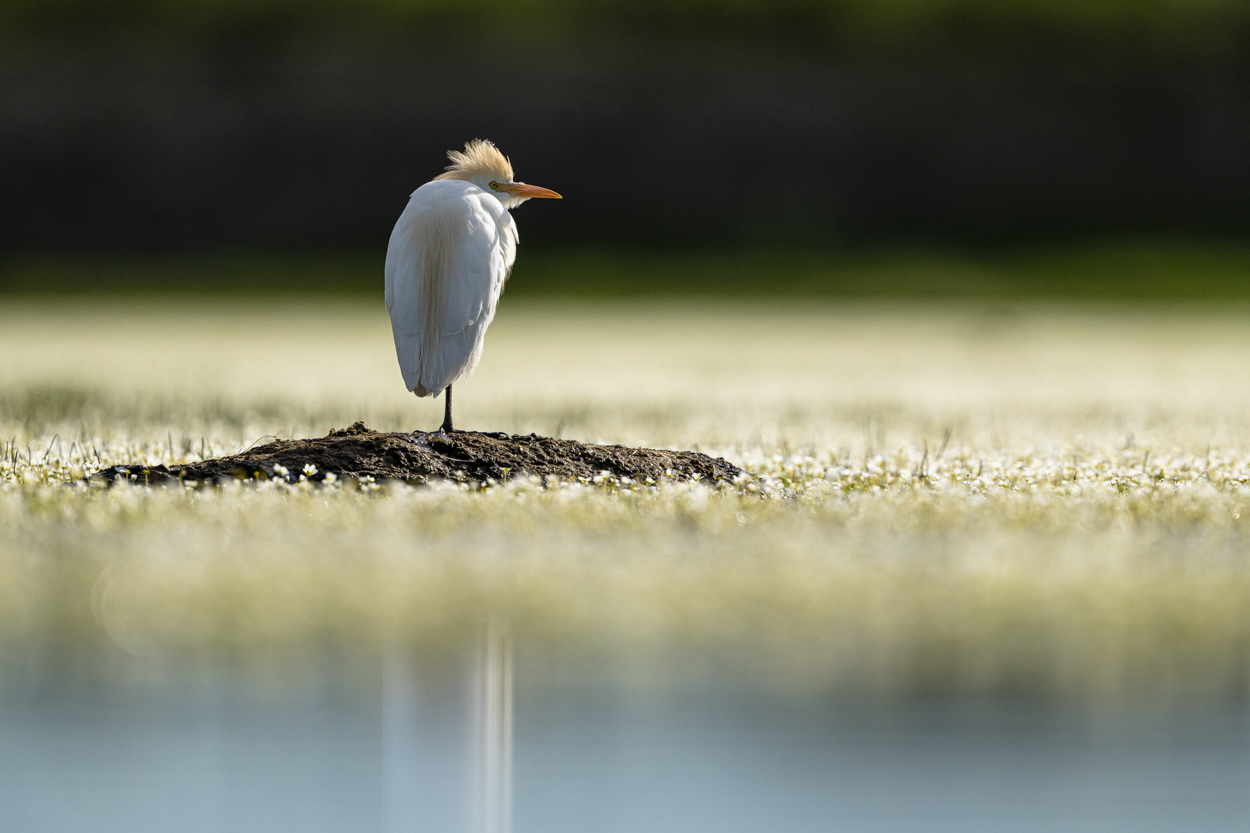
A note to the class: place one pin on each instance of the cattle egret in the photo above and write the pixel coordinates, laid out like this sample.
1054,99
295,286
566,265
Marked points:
448,258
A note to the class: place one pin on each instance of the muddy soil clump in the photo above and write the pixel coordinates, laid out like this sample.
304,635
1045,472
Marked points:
465,456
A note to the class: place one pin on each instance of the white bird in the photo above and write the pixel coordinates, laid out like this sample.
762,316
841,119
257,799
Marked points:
447,260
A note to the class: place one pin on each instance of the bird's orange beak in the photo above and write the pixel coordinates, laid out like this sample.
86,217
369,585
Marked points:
520,189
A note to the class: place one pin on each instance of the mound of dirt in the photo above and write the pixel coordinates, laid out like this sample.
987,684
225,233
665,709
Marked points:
467,456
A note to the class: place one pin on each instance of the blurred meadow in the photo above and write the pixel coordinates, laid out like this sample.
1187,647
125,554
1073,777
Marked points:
1037,499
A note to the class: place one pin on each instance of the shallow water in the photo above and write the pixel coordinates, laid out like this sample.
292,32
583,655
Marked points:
383,746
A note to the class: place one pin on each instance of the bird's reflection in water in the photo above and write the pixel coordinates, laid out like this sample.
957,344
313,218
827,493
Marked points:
492,732
448,739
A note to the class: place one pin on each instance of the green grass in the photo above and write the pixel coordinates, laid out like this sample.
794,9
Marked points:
1013,500
1175,271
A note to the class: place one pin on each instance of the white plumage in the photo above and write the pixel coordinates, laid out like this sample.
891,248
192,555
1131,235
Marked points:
446,264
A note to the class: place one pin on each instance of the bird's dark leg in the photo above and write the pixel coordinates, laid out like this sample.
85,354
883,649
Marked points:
446,427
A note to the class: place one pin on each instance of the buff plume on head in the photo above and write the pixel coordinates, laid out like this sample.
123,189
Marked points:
479,159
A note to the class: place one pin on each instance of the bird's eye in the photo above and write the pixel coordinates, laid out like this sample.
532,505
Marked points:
494,186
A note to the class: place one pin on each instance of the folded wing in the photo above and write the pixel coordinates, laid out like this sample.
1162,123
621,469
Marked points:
447,260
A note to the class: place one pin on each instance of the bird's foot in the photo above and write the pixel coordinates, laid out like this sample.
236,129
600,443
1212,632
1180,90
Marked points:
498,435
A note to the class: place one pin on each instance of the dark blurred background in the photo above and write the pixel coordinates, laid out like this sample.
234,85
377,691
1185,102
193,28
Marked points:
215,132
